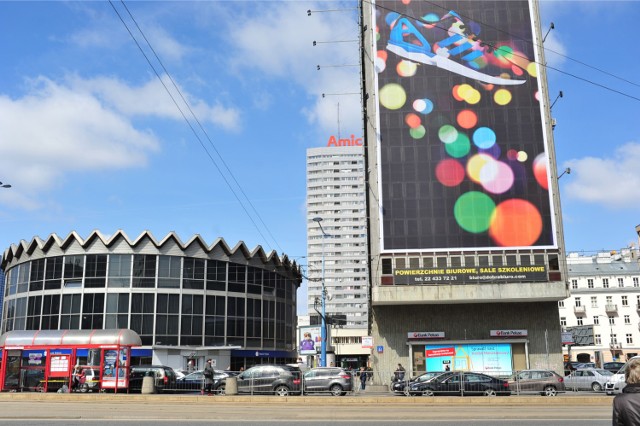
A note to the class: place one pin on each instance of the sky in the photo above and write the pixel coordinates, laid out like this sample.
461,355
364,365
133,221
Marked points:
206,131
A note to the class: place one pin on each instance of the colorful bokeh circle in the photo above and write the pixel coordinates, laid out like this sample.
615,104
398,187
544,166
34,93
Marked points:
484,137
412,120
392,96
450,172
418,132
502,97
424,106
473,211
467,119
407,68
515,223
540,170
448,133
460,147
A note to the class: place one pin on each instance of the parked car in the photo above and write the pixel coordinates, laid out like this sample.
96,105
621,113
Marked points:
463,383
400,386
588,379
281,380
165,377
195,381
617,382
335,380
546,382
614,366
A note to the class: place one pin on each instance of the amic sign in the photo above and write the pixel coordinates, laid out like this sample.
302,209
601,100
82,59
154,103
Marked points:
470,274
353,141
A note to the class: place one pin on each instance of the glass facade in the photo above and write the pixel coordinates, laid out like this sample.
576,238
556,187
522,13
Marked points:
167,300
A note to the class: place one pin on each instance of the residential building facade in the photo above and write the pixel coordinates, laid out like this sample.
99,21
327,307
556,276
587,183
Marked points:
604,306
337,248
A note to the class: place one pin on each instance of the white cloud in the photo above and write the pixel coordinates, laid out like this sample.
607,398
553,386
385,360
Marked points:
612,182
278,41
555,50
54,130
151,99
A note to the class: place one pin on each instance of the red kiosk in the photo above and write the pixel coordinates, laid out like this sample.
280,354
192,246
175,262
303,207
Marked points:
44,360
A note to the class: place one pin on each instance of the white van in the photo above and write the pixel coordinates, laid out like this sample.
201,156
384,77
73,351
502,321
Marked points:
616,382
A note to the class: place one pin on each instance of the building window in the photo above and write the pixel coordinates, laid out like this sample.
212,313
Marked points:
625,301
574,284
96,271
579,320
590,283
620,282
596,320
169,272
629,338
578,302
612,320
561,304
598,339
636,282
144,271
605,282
627,319
594,301
563,321
119,270
614,339
93,310
609,300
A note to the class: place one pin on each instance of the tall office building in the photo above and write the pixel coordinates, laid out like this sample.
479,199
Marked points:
336,195
466,242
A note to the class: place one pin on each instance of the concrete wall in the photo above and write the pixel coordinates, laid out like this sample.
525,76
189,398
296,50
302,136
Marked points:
471,322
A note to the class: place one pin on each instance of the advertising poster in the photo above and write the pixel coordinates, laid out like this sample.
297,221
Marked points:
114,369
492,359
310,340
462,146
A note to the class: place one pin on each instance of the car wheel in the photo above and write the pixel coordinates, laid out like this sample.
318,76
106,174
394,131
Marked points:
336,390
428,392
221,389
84,388
489,392
281,390
596,387
549,391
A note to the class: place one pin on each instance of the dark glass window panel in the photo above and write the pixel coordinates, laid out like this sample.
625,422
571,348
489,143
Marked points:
74,266
53,273
554,264
237,273
169,271
36,281
120,270
96,265
35,305
497,260
144,270
237,287
216,275
71,304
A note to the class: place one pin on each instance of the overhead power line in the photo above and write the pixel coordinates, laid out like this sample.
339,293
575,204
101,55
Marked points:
199,125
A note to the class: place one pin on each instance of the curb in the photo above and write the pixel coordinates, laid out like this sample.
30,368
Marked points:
590,400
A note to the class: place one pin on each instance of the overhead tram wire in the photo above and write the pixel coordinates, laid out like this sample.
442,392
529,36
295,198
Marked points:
193,130
584,79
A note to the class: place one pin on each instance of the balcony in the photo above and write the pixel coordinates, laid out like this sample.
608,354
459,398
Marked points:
611,307
579,309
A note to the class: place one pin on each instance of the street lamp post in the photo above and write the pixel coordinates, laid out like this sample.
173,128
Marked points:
323,297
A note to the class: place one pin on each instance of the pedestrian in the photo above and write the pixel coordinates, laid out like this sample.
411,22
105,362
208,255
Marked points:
626,406
363,378
399,373
208,378
75,379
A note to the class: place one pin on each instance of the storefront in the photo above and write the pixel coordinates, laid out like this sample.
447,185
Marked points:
503,353
44,360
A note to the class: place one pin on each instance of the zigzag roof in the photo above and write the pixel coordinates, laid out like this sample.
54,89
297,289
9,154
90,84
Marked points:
54,241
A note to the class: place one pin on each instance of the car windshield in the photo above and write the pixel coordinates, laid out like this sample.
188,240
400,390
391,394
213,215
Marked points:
604,372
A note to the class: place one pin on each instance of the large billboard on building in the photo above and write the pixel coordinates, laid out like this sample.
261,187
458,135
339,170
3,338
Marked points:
462,151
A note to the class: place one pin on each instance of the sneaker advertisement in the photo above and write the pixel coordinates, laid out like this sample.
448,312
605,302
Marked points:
463,152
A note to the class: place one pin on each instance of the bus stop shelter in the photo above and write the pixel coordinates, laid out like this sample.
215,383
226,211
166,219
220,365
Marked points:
44,360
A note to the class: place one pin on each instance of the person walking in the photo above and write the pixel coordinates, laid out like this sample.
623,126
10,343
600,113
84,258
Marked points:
208,378
363,378
399,373
626,406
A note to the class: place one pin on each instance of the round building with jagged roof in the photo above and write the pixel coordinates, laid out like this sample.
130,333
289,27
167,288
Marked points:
188,301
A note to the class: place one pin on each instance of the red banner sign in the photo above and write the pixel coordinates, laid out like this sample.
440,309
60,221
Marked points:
432,353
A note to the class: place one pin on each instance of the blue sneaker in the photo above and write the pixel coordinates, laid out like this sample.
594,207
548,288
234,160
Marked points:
457,49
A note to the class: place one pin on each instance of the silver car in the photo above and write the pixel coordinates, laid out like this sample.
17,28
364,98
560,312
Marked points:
588,379
334,380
